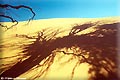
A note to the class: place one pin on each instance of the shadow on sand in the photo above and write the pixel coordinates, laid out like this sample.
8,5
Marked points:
100,46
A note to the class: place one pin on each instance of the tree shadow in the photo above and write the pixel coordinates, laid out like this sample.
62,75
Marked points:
100,47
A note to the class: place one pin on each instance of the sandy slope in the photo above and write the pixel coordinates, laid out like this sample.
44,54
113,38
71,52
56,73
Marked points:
61,23
11,42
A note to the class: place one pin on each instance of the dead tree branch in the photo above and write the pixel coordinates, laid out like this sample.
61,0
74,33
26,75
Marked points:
5,6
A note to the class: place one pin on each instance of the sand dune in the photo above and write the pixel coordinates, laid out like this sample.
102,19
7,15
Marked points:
13,45
62,24
65,23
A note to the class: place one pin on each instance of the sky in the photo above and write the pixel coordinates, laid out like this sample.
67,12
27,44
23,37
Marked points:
46,9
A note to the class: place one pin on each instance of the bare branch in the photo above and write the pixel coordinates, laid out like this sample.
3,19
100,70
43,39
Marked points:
5,6
18,7
8,17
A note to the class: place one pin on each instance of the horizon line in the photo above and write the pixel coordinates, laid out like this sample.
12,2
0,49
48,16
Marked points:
67,18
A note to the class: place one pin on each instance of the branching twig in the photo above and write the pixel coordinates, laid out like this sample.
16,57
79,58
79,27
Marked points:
5,6
18,7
